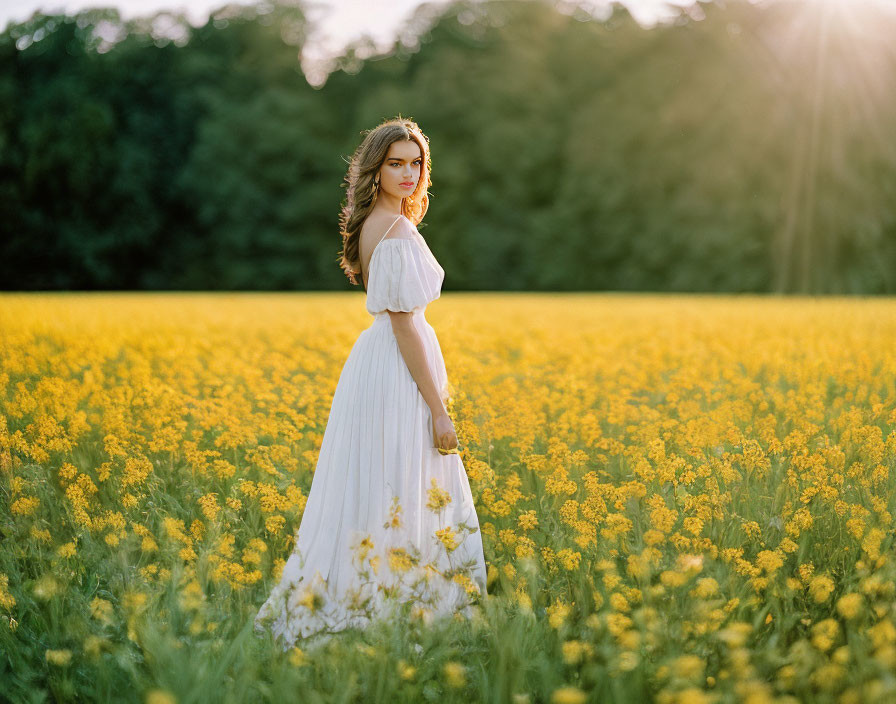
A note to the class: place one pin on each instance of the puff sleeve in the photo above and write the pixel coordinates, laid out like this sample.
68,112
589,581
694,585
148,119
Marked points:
402,277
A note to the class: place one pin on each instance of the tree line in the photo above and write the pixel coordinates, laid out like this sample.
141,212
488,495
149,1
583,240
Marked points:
742,148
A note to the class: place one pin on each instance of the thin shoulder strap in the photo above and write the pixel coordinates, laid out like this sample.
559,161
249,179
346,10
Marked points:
377,244
390,227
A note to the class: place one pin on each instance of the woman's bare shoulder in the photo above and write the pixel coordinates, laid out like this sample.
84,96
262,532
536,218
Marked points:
377,227
379,224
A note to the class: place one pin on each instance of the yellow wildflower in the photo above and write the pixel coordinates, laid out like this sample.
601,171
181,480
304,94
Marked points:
405,670
448,538
7,600
688,667
568,695
438,497
821,588
769,560
824,633
706,588
160,696
557,613
849,605
455,674
400,560
58,657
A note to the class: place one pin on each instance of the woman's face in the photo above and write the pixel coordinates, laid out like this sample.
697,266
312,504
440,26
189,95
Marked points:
400,172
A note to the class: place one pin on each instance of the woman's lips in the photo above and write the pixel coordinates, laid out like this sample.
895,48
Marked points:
406,184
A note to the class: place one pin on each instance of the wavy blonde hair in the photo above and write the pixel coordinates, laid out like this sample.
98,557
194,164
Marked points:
361,191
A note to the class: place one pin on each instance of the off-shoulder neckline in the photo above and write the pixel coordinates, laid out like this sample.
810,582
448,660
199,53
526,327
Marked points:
387,239
416,234
416,237
376,249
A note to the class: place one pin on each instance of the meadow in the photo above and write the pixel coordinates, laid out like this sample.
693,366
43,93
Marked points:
683,499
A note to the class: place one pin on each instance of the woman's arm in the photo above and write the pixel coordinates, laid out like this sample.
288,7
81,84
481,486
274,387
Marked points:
411,346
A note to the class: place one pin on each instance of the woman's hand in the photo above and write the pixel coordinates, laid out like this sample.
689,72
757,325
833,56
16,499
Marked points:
443,433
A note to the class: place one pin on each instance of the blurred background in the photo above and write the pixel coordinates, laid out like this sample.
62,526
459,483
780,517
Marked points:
729,146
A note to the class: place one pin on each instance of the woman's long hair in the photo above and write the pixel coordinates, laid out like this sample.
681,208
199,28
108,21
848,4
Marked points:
361,191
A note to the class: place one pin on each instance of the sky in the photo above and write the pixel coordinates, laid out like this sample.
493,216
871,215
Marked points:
337,22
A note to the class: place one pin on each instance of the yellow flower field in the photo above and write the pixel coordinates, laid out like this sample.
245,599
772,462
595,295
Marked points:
682,498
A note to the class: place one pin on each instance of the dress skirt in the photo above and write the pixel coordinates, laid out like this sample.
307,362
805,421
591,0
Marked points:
388,520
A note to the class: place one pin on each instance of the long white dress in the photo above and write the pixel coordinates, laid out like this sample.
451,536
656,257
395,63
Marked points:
389,521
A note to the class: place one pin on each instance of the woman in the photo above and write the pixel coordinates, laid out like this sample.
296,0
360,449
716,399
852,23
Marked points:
390,519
